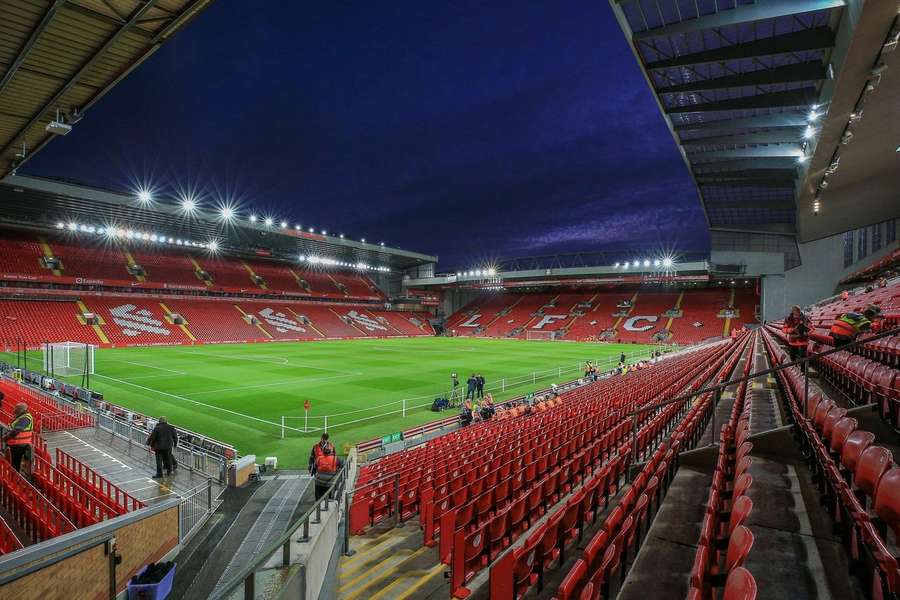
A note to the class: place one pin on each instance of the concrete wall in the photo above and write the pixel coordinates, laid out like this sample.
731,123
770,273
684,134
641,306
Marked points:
454,299
822,266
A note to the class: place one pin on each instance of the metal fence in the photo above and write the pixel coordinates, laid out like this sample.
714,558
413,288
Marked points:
195,506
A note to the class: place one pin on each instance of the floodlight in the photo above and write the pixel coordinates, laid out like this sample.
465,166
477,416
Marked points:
283,224
60,225
637,263
341,236
667,262
491,272
269,221
382,243
188,205
152,237
253,218
363,240
802,159
646,262
459,274
227,213
616,265
145,236
296,228
213,246
813,116
312,229
73,226
809,133
324,232
144,197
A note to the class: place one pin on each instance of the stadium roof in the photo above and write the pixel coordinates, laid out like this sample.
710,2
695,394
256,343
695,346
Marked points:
45,204
747,88
64,55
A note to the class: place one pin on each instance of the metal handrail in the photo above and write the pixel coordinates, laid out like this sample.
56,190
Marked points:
247,575
722,386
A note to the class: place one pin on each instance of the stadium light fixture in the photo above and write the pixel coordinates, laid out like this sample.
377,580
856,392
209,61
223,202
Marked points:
212,246
269,221
625,266
656,262
646,262
144,196
616,266
284,224
253,218
492,272
73,226
324,232
458,274
341,236
297,228
227,213
188,205
60,225
382,244
809,133
813,116
312,229
667,262
802,159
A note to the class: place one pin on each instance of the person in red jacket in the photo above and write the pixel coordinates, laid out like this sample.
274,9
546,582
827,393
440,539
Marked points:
796,327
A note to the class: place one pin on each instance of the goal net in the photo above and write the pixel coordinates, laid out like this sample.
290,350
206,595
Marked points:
69,358
538,334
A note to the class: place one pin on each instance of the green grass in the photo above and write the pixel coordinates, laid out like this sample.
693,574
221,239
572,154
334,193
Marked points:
238,393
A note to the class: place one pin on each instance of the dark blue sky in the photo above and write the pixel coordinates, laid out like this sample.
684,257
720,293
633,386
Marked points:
471,130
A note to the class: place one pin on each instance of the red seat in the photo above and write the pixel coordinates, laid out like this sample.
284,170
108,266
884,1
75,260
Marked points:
739,512
857,442
835,415
873,463
887,500
574,580
526,558
740,585
741,485
548,549
842,430
739,545
498,534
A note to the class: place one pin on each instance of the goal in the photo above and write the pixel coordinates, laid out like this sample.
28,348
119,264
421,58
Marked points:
538,334
69,358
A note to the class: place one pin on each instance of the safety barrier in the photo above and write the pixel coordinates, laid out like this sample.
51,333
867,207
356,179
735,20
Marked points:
90,479
31,510
81,506
8,540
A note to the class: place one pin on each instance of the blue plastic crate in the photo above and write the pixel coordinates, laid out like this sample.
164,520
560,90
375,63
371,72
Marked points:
152,591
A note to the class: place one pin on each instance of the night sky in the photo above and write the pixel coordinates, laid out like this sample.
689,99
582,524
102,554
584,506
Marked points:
471,130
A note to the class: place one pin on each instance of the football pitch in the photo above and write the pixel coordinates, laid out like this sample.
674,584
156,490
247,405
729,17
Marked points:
239,393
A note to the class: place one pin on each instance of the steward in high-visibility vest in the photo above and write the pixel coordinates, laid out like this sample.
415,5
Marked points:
20,436
327,467
848,326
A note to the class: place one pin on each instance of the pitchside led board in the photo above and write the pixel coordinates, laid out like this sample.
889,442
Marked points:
390,439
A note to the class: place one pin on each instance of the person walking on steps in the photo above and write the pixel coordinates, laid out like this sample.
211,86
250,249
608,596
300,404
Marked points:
327,467
471,386
796,327
317,451
20,435
163,440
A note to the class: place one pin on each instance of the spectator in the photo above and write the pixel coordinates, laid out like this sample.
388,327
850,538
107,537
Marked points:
487,408
479,382
471,386
848,326
845,295
20,435
465,415
622,358
327,467
796,327
588,370
316,451
163,440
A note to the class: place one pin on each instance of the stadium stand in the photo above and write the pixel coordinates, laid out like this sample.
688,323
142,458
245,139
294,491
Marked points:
605,314
21,255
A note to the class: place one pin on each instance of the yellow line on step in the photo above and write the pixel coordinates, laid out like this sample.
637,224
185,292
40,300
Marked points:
344,564
381,575
425,578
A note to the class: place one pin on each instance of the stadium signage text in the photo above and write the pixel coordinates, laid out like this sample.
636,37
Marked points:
472,321
548,320
631,323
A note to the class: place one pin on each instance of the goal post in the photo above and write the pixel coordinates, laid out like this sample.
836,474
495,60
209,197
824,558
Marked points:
68,358
539,334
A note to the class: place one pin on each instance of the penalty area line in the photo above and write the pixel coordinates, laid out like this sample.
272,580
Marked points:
197,402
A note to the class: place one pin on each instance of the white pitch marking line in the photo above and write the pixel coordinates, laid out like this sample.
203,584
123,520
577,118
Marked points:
137,364
177,397
296,382
153,377
264,358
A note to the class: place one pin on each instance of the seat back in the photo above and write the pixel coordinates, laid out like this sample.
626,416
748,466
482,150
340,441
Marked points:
739,512
739,545
840,433
887,500
854,446
872,464
740,585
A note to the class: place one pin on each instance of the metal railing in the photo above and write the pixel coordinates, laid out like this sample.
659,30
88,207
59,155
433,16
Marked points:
195,506
246,577
717,389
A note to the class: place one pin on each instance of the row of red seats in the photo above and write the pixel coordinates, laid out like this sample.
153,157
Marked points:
81,506
109,493
8,540
853,473
48,415
426,464
576,459
724,540
33,512
593,576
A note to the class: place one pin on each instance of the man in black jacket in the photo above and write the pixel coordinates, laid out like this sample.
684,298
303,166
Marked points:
163,440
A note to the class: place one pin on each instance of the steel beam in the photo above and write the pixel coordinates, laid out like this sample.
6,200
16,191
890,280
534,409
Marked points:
755,164
85,66
805,40
755,182
772,121
775,136
800,97
29,43
812,70
744,13
779,151
786,204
